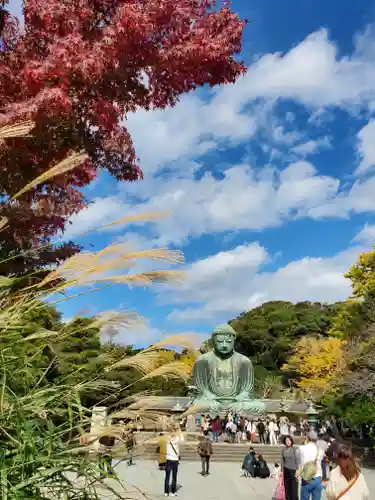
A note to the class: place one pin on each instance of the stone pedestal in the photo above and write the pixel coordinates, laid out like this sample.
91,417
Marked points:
98,421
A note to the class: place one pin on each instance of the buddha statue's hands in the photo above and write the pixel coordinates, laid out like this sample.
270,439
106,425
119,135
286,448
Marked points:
243,396
208,396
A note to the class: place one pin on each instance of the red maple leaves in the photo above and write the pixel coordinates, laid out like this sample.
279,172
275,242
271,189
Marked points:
79,67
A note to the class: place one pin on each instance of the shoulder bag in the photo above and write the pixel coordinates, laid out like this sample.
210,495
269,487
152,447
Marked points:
174,449
348,488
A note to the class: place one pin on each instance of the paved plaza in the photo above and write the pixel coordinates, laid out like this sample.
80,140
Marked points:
144,480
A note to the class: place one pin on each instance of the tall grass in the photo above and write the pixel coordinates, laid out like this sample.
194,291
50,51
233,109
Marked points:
42,418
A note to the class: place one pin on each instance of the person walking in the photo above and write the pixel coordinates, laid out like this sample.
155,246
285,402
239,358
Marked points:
205,451
206,426
277,431
216,429
272,431
233,431
289,463
310,468
284,427
172,461
293,429
347,481
323,445
130,445
248,430
203,424
253,431
261,432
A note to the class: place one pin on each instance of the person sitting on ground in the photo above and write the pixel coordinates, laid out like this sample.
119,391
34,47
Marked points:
347,481
261,469
249,463
205,451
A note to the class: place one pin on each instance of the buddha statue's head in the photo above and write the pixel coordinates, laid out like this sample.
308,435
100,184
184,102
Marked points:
223,338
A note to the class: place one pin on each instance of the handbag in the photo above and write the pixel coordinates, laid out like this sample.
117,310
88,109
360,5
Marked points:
348,488
280,489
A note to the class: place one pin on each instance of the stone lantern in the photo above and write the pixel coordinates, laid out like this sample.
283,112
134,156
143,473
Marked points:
312,416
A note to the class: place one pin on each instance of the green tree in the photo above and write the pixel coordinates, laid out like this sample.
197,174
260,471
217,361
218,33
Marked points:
267,333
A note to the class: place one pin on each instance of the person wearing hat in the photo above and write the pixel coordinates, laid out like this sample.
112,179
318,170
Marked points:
310,468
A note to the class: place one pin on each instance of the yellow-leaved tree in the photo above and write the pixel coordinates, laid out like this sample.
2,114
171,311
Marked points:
362,275
317,364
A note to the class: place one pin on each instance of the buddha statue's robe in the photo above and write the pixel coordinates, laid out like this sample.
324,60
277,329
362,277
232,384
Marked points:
224,384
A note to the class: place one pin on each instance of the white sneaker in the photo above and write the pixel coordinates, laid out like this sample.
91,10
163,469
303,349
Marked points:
172,494
166,494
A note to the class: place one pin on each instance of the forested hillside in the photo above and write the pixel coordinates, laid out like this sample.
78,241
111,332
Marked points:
267,333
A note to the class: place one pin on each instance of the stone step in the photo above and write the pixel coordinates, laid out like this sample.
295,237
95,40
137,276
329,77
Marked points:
227,452
221,452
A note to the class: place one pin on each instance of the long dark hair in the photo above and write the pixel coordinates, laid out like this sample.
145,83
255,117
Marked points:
347,463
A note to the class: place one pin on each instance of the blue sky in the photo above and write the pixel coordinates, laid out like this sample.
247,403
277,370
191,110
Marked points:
269,182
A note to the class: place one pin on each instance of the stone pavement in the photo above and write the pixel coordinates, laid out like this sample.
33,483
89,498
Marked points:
144,480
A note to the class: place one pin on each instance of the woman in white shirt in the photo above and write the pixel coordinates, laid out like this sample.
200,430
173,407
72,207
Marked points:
272,429
346,481
172,461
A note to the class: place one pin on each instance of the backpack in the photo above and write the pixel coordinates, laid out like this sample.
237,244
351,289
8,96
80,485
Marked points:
310,468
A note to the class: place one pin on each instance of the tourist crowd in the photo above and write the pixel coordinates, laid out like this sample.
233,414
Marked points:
235,428
305,471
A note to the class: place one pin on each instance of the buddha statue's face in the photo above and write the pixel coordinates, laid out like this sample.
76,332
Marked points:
223,344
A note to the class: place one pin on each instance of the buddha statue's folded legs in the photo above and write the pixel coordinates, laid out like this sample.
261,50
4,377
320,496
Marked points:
249,406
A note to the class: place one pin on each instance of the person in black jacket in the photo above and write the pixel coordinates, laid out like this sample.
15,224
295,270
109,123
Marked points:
262,432
261,469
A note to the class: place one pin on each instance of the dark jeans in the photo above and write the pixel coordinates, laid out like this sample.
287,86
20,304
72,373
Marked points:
205,464
312,489
290,484
171,467
324,469
216,436
262,438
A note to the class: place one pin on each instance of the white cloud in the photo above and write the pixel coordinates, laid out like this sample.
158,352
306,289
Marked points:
312,146
366,147
311,73
145,335
243,199
211,292
191,129
101,211
358,198
366,235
